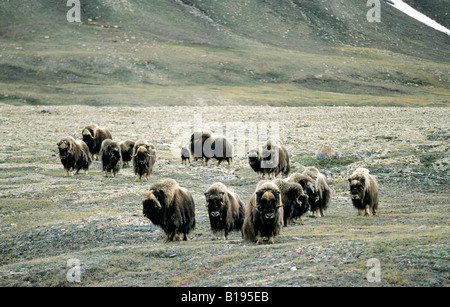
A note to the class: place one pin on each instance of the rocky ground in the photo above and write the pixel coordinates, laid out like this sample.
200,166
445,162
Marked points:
47,219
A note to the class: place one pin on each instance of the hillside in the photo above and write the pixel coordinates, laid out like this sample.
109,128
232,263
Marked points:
202,52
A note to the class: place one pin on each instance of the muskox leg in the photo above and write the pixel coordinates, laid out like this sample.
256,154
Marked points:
366,211
271,241
260,239
374,211
321,212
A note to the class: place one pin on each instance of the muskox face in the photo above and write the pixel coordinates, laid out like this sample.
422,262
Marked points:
298,199
114,153
253,157
267,203
88,137
357,187
216,204
153,204
65,149
143,154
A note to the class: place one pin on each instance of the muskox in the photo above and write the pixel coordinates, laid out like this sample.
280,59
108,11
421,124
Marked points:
295,201
111,157
94,136
254,160
127,150
74,155
264,215
321,197
205,145
225,209
172,208
185,156
144,158
275,160
364,191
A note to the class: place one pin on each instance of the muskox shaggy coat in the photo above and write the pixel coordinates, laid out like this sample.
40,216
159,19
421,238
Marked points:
74,155
225,209
322,195
94,136
295,201
127,150
144,159
172,208
206,145
111,157
364,191
264,215
275,160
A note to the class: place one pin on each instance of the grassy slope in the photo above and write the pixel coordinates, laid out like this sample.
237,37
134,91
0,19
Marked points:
219,52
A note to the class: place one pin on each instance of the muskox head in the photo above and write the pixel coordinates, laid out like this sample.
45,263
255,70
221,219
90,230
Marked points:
357,187
153,205
216,203
88,136
113,152
267,202
254,158
143,154
297,199
65,147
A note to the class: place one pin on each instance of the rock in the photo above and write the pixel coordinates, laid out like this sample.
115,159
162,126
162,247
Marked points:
326,152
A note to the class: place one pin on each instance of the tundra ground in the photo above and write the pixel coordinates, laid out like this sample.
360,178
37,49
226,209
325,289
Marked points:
47,219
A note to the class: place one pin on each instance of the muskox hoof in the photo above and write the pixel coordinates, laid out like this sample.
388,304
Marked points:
270,241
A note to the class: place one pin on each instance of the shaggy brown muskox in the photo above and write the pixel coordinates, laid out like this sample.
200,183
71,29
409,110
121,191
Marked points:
254,160
225,209
185,155
364,191
264,216
206,145
308,186
275,160
94,136
127,149
111,157
322,196
144,158
170,207
196,144
295,201
74,155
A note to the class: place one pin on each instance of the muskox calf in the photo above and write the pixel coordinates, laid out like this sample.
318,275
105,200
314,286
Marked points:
225,209
111,157
264,216
74,155
127,150
172,208
322,193
275,160
295,201
94,136
144,158
185,156
205,145
364,191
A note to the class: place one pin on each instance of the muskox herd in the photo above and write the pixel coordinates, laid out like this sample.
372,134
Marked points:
97,143
274,204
